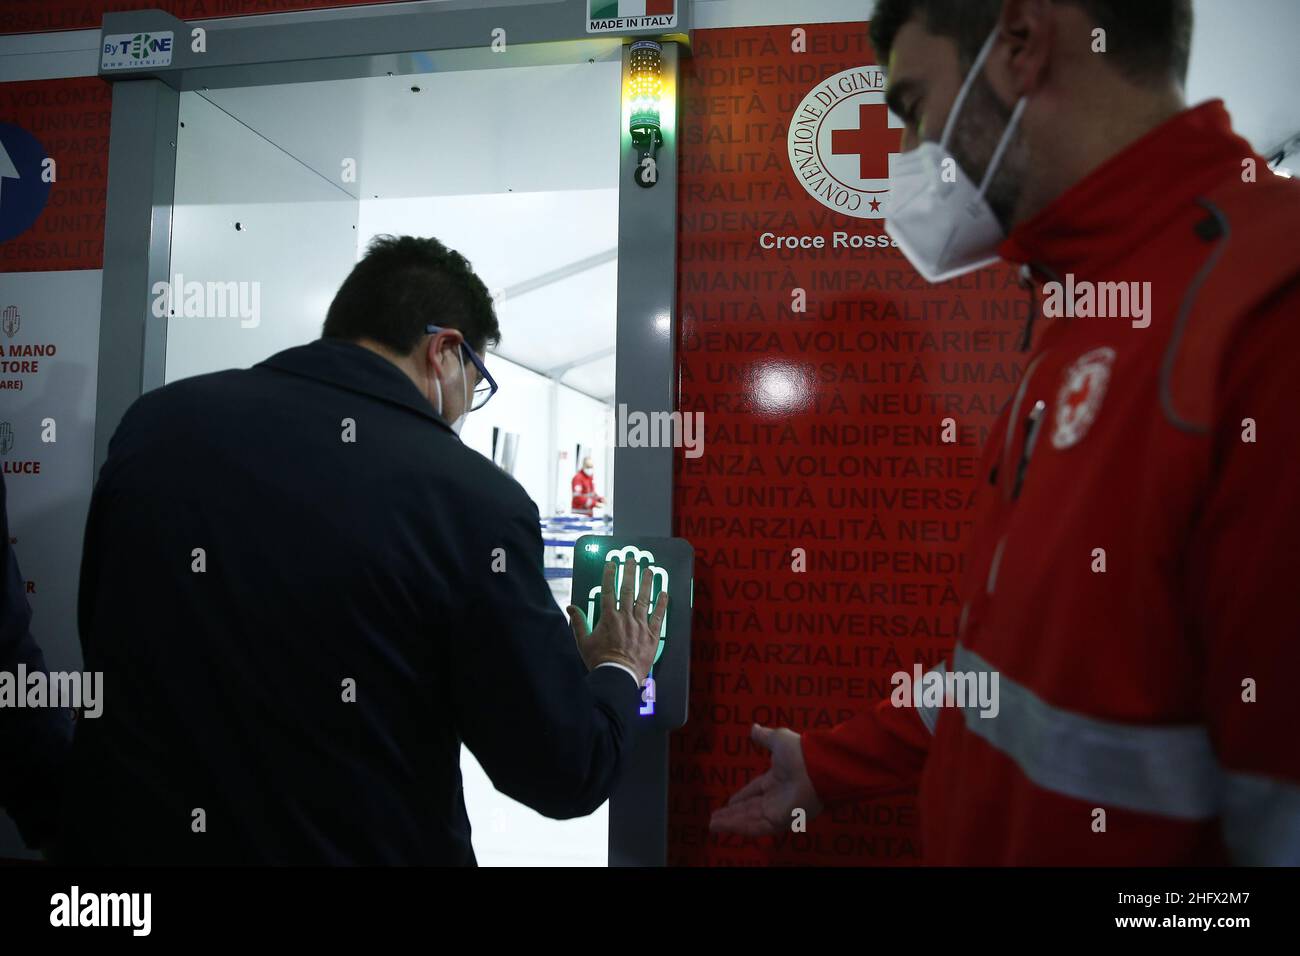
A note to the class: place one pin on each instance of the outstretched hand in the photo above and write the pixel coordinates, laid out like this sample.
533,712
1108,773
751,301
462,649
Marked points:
765,806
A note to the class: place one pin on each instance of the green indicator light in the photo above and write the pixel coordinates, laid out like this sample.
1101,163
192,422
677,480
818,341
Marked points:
643,96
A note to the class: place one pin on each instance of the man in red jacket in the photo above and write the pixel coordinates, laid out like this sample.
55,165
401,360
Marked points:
1130,586
585,498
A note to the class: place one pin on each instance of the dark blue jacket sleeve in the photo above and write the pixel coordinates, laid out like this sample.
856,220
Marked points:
34,744
547,733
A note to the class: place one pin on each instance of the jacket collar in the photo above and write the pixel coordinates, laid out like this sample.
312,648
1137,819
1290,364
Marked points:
1111,212
357,369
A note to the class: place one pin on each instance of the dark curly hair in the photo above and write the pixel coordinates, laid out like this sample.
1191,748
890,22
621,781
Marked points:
404,284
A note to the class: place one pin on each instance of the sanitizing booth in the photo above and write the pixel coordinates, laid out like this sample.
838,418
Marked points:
253,158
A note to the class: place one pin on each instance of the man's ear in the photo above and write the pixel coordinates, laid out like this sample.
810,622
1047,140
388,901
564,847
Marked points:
440,346
429,358
1018,65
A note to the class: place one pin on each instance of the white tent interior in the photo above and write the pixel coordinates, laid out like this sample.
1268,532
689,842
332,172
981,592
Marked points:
266,174
517,169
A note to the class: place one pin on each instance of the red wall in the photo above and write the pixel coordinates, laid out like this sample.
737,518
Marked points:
820,433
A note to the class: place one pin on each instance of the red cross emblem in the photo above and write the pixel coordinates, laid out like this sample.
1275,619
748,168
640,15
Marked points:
1082,389
1075,400
873,141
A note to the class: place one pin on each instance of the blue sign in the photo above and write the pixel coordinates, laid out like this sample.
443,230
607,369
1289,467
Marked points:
23,191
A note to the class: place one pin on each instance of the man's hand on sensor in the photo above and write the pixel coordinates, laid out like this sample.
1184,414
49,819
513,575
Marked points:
624,634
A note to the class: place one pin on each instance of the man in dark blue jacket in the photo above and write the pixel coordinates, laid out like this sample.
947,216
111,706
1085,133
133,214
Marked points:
304,593
33,741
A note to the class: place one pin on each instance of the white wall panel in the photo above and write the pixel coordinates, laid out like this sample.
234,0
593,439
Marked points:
295,242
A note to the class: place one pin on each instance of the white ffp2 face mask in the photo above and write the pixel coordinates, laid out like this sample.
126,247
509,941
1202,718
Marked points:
946,229
459,423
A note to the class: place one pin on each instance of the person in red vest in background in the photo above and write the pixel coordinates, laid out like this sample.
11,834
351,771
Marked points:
1121,689
585,498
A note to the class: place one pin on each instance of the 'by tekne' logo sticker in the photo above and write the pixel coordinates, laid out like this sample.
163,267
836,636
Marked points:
1082,390
125,50
840,141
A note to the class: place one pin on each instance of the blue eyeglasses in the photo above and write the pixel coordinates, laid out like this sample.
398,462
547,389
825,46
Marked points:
487,386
